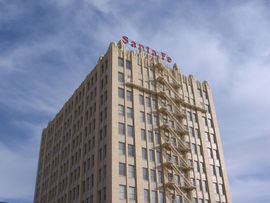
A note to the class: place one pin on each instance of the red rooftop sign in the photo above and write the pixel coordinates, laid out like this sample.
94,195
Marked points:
146,49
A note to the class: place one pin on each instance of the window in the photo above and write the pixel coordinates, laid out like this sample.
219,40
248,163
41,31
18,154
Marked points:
120,77
174,158
155,120
215,188
176,179
121,93
132,195
194,200
130,131
121,128
199,92
171,198
192,181
147,101
199,185
194,149
151,155
207,107
157,138
204,121
122,191
189,116
197,134
161,197
205,95
178,199
121,110
221,189
150,136
202,167
131,171
149,118
213,170
206,134
196,167
195,118
154,197
120,62
204,186
218,171
128,65
141,99
210,123
146,195
212,137
129,95
209,153
171,124
130,150
143,134
144,154
215,154
122,169
199,149
142,116
145,174
191,132
158,157
159,176
129,112
154,102
153,175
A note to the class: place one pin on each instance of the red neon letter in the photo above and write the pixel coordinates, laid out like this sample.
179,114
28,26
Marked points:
147,49
162,55
154,53
169,59
133,44
125,39
141,46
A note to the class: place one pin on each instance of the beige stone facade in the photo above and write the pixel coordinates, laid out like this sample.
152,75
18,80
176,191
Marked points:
134,131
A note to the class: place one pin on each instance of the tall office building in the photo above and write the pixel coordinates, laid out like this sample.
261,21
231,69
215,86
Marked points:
134,131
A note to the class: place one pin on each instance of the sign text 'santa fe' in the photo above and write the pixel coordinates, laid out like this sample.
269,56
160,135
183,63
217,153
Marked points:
146,49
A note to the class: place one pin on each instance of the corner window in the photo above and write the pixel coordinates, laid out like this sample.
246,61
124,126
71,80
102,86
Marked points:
120,62
122,192
120,77
145,174
122,169
121,93
121,128
121,110
121,146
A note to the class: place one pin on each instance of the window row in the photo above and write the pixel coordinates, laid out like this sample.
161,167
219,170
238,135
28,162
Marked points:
132,194
121,94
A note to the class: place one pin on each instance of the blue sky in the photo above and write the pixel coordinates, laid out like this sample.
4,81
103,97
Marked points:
48,47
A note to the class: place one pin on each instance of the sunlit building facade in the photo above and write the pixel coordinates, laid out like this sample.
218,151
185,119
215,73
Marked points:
135,130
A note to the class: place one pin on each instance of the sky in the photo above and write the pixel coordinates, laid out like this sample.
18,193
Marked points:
48,47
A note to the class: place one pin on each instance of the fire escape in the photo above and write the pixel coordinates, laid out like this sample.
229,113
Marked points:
174,148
